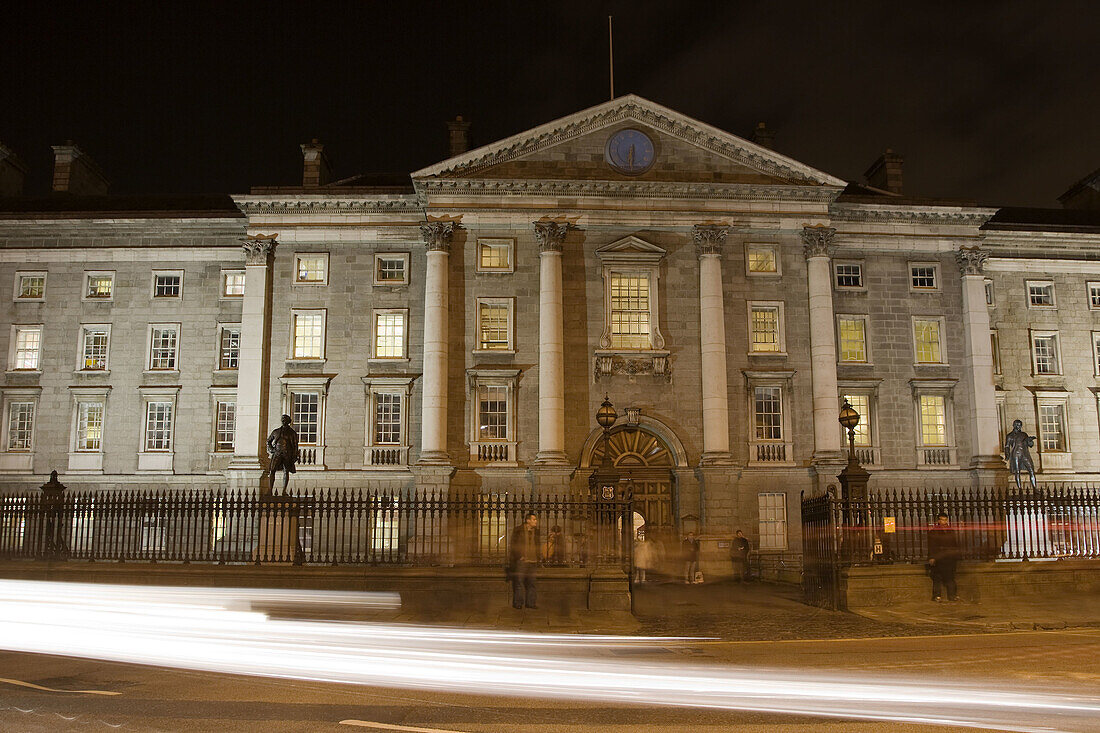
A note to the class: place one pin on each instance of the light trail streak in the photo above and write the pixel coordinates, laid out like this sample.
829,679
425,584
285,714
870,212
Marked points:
217,630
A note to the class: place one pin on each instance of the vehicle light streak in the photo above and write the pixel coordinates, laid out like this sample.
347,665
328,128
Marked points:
217,630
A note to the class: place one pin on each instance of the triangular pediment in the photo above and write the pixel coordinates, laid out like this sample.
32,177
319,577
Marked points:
574,148
630,248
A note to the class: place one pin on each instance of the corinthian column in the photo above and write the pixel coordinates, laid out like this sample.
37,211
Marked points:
979,358
433,425
259,250
710,239
551,237
816,243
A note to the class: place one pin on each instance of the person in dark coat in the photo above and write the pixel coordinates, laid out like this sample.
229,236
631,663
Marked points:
739,554
690,549
523,558
943,556
282,447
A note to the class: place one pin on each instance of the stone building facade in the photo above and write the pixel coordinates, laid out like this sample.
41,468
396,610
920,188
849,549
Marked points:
459,329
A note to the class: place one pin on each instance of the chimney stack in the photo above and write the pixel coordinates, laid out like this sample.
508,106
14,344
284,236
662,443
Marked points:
763,137
316,170
75,172
459,136
12,173
885,173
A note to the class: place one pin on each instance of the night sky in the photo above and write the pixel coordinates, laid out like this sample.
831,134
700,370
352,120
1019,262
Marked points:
995,102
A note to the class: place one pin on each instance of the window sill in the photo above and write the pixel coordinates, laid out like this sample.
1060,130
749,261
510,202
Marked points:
162,372
931,364
29,372
292,364
309,284
388,360
97,300
781,354
852,290
28,300
494,352
91,372
392,285
855,363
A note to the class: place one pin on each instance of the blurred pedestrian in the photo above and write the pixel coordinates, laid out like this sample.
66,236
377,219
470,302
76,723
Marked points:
690,548
523,558
644,557
554,552
943,556
739,556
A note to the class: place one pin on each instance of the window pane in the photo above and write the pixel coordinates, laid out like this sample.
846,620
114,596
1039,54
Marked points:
233,284
629,311
309,335
32,286
230,351
225,426
389,335
89,426
100,286
387,418
762,259
765,329
20,425
492,412
158,426
768,413
849,276
95,349
923,276
390,269
927,335
861,403
1094,295
933,420
28,348
167,286
311,268
1052,426
163,353
492,326
305,412
853,339
772,509
989,292
495,255
1046,354
995,345
1040,294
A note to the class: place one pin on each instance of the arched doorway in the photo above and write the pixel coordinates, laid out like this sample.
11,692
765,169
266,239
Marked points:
647,461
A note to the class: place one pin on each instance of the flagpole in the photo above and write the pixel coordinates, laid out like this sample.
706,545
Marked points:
611,55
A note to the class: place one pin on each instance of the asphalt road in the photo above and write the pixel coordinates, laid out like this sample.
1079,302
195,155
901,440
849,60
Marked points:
66,694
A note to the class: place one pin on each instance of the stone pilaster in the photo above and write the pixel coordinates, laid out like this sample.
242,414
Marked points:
710,240
978,359
817,245
437,240
254,364
551,238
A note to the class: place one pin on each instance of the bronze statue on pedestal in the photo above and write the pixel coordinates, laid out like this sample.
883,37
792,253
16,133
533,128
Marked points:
1016,446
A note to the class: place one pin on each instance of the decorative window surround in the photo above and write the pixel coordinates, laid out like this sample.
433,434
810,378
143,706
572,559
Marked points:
632,256
772,521
1040,294
924,277
928,340
163,348
94,349
1052,436
81,458
387,455
759,309
228,356
495,254
219,456
762,260
310,268
848,275
765,452
850,342
1046,353
990,294
167,285
311,455
391,269
389,335
157,461
1093,293
232,284
18,458
308,332
868,450
25,348
99,285
30,286
486,449
935,456
487,334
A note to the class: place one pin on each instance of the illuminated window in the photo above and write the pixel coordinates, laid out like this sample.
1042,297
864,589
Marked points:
927,335
772,509
494,324
494,255
768,413
761,259
1040,294
94,347
391,269
233,283
389,334
308,328
311,269
168,284
852,335
305,414
849,275
861,403
163,347
158,426
26,348
89,426
229,347
30,285
933,420
387,418
766,328
20,425
923,276
1052,427
99,285
492,412
630,311
1044,353
225,425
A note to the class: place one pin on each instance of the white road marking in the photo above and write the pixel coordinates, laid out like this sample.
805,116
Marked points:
391,726
21,683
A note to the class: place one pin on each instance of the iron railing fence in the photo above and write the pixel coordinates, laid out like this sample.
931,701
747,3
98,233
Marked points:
1054,521
336,527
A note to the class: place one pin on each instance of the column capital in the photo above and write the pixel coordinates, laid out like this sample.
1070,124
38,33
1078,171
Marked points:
971,260
817,241
258,248
709,238
437,235
551,234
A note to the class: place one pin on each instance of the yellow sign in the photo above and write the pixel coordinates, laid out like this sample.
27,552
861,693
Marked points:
889,525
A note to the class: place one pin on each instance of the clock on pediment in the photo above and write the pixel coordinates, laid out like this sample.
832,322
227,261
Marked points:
630,152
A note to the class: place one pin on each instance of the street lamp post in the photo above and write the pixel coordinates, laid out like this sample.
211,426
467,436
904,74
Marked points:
853,485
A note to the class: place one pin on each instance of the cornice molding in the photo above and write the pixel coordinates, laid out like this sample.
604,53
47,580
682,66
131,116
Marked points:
624,189
259,205
910,214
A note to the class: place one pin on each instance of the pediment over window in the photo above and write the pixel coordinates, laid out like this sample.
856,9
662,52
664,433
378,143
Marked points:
630,249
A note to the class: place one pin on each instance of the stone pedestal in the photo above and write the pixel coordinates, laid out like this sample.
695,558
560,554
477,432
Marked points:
277,533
